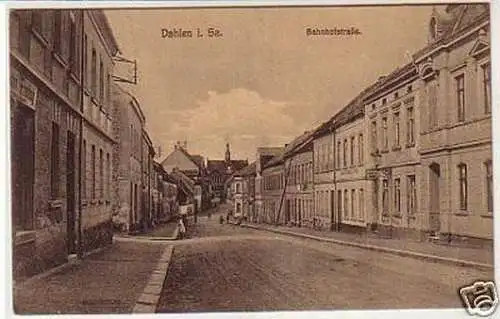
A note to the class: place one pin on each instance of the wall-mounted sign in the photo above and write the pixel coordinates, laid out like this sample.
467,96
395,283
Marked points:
23,90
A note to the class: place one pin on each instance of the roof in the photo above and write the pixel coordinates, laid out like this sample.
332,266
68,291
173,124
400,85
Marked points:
354,109
220,166
297,143
103,22
276,160
196,159
247,170
184,182
454,21
395,77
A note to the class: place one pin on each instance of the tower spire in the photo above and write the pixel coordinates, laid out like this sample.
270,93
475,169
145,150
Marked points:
228,153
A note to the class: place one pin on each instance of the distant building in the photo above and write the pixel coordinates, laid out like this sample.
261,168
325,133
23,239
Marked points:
127,158
263,156
218,172
243,192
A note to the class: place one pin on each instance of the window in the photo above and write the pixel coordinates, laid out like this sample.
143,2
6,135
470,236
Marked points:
101,173
345,153
238,188
410,134
459,82
396,129
412,195
73,48
432,104
353,201
486,69
84,169
85,60
339,148
409,89
384,101
361,199
373,106
374,136
54,162
397,195
352,150
346,204
57,36
385,137
101,81
462,178
385,196
93,76
489,186
361,155
396,95
93,172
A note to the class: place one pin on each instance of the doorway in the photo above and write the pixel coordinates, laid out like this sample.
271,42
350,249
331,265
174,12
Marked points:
70,193
434,205
22,166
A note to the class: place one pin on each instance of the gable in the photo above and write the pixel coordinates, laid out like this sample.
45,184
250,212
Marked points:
480,47
179,159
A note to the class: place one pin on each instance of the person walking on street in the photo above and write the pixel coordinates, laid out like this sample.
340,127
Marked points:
182,228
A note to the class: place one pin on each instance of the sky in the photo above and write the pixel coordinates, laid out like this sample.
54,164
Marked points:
264,81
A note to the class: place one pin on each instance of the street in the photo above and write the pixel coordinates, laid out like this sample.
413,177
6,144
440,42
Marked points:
228,268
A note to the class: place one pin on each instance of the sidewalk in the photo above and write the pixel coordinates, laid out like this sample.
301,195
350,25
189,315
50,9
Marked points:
482,258
109,281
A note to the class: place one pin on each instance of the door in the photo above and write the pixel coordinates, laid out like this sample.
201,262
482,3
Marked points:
339,209
70,193
333,216
22,166
434,206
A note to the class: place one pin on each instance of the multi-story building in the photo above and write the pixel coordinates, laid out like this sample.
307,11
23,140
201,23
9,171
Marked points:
243,192
392,111
98,49
455,123
263,156
273,194
60,205
148,154
299,205
128,124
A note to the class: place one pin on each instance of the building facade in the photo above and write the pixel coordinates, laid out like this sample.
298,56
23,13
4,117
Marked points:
263,156
298,204
243,192
392,111
455,133
273,178
61,203
127,158
148,176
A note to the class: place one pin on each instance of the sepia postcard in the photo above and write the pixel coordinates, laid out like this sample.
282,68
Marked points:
177,159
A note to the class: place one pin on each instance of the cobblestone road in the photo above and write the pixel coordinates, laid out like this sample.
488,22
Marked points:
227,268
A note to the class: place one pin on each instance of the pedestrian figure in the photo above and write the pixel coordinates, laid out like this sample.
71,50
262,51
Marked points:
182,228
221,219
227,218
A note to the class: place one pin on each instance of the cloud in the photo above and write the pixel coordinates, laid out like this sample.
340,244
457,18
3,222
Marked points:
241,117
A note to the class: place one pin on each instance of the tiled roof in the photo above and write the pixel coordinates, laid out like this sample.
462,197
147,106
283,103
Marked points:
184,182
246,171
221,166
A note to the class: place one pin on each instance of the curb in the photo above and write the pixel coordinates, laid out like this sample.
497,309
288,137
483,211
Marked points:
72,261
403,253
174,236
150,297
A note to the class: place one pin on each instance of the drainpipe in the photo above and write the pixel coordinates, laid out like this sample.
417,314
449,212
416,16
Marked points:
80,166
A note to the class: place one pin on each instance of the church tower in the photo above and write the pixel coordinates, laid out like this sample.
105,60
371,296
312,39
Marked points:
228,153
